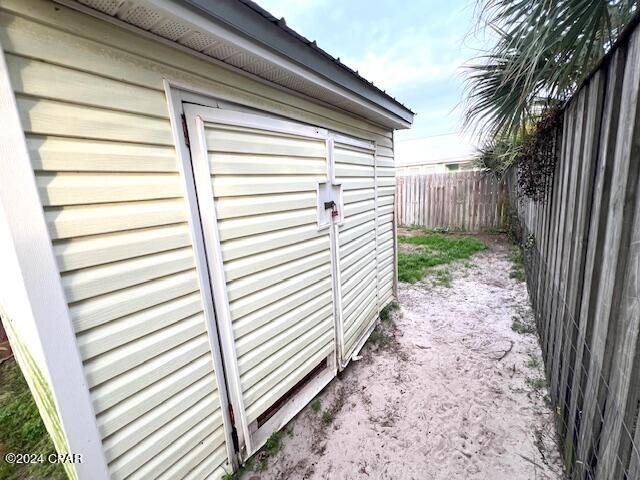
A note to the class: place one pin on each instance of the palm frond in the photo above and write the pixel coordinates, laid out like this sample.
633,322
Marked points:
544,49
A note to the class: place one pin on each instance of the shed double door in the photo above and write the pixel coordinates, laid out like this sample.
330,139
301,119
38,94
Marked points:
273,260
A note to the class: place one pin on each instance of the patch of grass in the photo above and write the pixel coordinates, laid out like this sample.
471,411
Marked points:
442,278
385,313
260,461
536,383
273,443
316,405
522,327
327,417
517,275
339,399
248,466
534,362
233,476
435,249
383,335
380,338
263,463
517,265
22,430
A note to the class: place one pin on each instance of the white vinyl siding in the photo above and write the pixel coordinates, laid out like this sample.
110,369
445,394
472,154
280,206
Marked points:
112,195
386,190
280,295
95,115
117,267
355,170
136,307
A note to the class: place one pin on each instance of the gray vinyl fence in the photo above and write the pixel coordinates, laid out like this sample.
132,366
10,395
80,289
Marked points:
468,201
582,251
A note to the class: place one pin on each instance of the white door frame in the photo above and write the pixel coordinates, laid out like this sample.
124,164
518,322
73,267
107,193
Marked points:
174,98
335,262
251,438
221,321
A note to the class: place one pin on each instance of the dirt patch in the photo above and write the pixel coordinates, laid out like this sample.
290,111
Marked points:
409,248
455,392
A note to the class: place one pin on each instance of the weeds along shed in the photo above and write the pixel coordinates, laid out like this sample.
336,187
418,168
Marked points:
197,225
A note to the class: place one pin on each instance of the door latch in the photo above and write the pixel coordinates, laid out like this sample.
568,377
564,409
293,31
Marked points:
331,205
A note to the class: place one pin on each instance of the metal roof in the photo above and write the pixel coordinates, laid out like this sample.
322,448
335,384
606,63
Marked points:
313,44
242,34
267,29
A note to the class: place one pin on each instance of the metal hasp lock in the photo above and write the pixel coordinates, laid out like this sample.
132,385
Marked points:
331,205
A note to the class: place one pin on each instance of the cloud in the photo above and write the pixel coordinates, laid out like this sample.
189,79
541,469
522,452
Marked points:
414,51
395,68
433,149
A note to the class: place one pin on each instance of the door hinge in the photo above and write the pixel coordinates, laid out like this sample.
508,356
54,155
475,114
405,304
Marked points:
185,131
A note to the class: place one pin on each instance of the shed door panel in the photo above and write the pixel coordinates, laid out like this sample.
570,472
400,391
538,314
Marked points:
355,170
270,264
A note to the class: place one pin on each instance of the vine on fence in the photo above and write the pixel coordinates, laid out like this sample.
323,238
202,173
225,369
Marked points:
533,152
537,155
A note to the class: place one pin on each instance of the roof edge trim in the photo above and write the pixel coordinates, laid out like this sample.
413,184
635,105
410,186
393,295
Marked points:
339,81
251,21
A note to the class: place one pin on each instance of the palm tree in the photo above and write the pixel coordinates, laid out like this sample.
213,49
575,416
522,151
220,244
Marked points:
544,49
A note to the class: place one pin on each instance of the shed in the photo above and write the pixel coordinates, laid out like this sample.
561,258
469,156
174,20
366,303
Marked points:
196,225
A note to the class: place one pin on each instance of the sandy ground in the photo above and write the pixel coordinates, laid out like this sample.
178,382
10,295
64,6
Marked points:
456,394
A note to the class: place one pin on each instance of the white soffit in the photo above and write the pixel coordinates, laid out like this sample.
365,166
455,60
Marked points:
177,23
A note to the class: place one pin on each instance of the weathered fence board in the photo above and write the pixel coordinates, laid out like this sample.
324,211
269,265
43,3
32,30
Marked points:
624,306
469,201
583,263
582,257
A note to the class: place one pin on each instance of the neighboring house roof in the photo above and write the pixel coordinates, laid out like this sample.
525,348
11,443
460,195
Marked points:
242,34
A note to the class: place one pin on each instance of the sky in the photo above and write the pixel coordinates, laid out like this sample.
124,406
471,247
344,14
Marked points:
413,49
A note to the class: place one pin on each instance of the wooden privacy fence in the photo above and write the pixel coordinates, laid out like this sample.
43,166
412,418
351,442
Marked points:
470,201
582,251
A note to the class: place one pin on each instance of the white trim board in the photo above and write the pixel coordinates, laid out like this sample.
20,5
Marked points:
209,222
175,100
249,120
212,98
296,403
31,290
